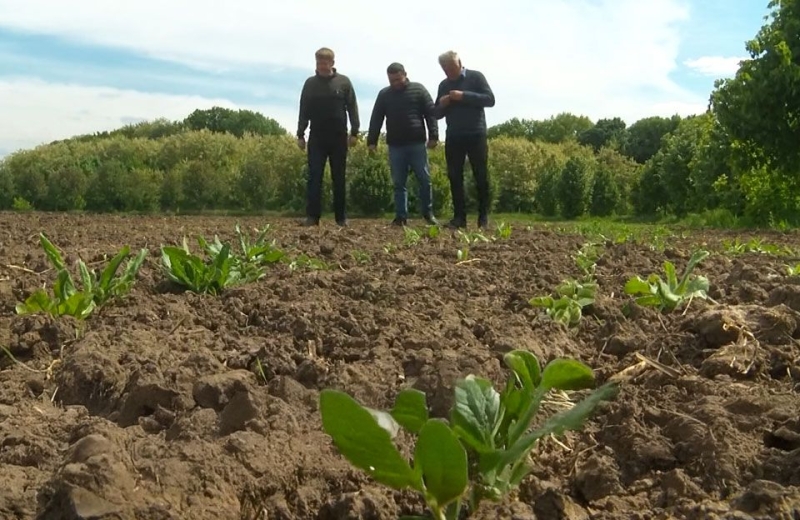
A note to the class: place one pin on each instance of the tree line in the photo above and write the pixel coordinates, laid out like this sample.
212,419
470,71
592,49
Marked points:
738,160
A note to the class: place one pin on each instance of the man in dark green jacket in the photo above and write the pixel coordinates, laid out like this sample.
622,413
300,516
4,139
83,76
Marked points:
327,99
462,97
407,107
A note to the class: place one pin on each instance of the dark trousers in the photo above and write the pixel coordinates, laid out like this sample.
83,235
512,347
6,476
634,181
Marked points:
456,150
322,149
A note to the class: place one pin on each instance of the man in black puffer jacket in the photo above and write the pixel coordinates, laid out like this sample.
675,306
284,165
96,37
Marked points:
462,97
407,107
327,99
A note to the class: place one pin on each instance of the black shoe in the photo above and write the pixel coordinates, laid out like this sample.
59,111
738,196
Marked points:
431,220
341,223
399,222
310,221
457,223
483,222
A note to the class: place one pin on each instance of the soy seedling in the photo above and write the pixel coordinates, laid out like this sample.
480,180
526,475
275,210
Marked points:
360,256
210,275
567,307
668,295
504,230
481,452
95,292
410,236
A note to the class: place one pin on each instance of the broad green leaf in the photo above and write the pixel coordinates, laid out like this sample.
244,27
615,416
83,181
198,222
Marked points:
649,301
525,366
637,286
51,252
385,421
476,412
572,419
111,269
410,409
541,301
442,461
697,257
567,374
672,278
360,439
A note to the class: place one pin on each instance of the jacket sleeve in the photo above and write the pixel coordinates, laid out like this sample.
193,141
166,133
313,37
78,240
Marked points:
303,118
376,121
429,114
482,95
352,110
438,110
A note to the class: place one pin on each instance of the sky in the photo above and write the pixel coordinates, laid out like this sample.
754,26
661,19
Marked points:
77,67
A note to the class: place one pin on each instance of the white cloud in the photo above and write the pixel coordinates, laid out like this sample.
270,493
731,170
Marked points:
715,66
36,112
601,58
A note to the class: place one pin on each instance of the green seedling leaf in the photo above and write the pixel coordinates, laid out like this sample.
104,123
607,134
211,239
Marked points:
567,374
525,366
669,271
442,461
410,409
51,252
385,421
572,419
636,286
476,412
363,442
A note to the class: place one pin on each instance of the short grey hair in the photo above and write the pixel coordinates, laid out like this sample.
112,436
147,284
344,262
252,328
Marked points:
447,57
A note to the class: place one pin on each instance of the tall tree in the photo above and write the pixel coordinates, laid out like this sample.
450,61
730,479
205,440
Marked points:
761,104
603,133
760,109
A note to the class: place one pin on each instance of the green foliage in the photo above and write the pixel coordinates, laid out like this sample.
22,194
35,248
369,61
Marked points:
221,267
95,292
643,138
571,297
667,295
760,110
370,190
235,122
546,192
481,452
605,193
573,188
606,132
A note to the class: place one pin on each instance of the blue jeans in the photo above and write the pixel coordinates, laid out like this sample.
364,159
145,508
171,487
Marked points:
401,159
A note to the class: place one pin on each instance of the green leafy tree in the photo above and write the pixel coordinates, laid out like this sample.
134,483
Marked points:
643,138
236,122
604,133
572,190
605,193
760,108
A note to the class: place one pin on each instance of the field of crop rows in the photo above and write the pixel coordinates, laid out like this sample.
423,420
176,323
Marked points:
198,395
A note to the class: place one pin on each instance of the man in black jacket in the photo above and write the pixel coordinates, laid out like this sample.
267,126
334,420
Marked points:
462,97
326,100
407,107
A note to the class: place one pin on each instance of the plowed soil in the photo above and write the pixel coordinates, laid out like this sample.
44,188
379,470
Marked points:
173,405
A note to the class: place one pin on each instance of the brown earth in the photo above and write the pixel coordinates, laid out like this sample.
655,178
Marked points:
154,407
